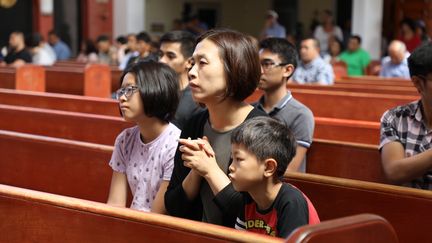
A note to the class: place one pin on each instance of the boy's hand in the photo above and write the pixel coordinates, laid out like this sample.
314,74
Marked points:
198,155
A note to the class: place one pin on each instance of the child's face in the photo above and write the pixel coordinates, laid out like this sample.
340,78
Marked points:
130,103
246,170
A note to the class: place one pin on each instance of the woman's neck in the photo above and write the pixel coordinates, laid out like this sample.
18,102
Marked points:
228,114
151,128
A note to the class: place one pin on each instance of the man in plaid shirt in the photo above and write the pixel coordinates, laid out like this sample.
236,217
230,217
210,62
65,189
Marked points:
406,131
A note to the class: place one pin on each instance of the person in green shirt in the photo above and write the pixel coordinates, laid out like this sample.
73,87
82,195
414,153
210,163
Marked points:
356,58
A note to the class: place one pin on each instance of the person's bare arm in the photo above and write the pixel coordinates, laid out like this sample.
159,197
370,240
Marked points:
118,190
400,169
296,162
18,63
159,203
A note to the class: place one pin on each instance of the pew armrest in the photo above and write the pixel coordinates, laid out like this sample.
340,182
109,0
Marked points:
357,228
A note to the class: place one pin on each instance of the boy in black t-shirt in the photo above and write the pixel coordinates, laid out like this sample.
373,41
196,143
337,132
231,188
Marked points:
261,150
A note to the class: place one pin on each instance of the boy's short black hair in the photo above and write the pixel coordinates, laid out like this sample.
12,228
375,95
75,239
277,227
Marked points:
158,86
121,39
420,61
266,138
282,47
186,40
356,37
33,40
143,36
102,38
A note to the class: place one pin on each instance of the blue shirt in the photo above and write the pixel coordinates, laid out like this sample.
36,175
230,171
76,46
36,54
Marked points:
391,70
61,50
276,30
317,71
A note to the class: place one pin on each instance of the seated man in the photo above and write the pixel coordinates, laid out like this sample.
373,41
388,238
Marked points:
18,54
176,47
278,61
61,49
395,65
356,58
406,130
312,69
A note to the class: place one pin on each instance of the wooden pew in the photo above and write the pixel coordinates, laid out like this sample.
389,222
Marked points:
347,130
75,103
374,80
407,210
345,105
32,216
28,77
360,88
349,105
42,217
345,160
326,157
91,80
62,124
54,165
354,229
115,72
103,129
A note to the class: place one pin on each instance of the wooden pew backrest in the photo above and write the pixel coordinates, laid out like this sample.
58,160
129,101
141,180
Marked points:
346,160
31,216
62,124
407,209
54,165
76,103
353,229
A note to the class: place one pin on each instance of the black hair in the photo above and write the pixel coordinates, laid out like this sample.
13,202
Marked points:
186,40
420,61
102,38
33,40
266,138
357,37
285,50
143,36
90,47
121,39
158,88
410,23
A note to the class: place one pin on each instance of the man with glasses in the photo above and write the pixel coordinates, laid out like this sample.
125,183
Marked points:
406,131
312,69
278,60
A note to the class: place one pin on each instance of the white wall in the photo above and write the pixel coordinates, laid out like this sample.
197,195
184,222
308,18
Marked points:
367,22
128,17
306,10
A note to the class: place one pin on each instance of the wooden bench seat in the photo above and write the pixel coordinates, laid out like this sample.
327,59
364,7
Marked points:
407,209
